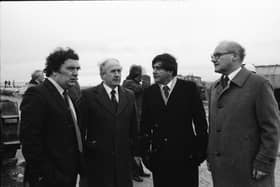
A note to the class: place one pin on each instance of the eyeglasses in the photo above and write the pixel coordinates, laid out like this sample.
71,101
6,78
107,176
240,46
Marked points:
218,55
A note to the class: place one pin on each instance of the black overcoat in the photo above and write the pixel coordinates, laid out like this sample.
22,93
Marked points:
48,137
179,131
109,136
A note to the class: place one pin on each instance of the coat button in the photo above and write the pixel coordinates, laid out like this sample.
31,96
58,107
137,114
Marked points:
218,154
165,139
218,130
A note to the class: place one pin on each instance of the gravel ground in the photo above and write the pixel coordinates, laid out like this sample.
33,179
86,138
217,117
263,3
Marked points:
12,175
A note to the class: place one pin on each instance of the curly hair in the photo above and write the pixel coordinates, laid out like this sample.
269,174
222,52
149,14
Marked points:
57,58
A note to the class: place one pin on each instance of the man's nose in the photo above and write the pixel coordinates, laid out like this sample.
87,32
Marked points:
75,72
154,70
117,73
213,60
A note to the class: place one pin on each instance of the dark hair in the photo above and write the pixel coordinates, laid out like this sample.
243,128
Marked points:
134,71
57,58
168,62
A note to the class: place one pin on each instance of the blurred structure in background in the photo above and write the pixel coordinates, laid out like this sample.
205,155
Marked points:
200,84
272,73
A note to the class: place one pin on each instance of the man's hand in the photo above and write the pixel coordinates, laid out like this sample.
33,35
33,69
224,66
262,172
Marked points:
257,174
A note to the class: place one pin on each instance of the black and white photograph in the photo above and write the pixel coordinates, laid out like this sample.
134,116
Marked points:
131,93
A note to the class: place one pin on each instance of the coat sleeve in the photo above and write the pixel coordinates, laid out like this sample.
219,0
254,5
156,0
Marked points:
33,115
133,133
269,128
200,125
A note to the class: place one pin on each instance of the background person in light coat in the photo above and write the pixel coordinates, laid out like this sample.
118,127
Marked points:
244,123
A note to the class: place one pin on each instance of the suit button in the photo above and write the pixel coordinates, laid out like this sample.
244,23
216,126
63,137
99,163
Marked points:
218,130
218,154
165,139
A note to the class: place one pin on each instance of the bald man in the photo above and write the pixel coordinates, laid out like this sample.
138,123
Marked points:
244,123
108,114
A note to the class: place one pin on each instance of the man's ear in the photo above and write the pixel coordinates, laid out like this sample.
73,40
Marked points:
235,57
170,73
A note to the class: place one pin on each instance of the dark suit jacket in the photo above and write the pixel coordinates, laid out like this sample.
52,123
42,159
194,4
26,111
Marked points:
48,137
109,136
174,138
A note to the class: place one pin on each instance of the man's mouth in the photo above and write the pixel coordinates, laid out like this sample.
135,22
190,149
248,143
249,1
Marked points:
74,79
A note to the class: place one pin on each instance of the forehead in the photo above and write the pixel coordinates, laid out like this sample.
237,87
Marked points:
71,63
112,65
222,47
157,64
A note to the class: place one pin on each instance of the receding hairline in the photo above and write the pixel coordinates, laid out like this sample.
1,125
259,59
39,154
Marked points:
105,63
231,46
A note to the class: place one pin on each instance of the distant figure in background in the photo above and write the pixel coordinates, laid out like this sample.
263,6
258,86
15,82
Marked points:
244,123
146,80
174,121
50,133
134,82
5,84
14,83
37,77
250,67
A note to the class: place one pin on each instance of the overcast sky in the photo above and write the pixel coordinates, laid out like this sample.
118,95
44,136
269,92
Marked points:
134,32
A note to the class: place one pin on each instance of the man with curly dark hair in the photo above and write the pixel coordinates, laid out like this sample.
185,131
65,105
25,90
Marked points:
50,135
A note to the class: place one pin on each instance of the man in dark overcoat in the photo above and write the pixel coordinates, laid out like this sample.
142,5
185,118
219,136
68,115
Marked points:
174,120
244,123
108,114
50,135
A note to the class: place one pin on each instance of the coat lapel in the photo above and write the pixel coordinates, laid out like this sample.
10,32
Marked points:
158,96
55,94
122,100
239,80
174,92
104,99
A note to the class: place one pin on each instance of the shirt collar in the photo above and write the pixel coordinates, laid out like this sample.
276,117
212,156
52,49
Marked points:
234,73
170,84
109,89
56,85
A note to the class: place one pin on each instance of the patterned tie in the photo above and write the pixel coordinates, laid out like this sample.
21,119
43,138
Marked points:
77,130
114,100
224,81
166,91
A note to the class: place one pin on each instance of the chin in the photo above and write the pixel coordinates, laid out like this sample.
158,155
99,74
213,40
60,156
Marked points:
71,84
217,70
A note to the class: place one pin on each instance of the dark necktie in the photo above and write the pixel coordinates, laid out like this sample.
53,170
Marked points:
77,130
166,91
224,81
114,100
65,96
